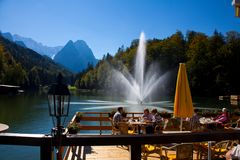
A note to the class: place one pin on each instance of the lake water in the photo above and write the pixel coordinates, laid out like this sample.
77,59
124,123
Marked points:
28,113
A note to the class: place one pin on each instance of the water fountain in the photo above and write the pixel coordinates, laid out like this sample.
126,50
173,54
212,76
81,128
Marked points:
139,86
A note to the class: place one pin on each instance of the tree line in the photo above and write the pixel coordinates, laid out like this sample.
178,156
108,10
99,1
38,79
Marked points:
212,62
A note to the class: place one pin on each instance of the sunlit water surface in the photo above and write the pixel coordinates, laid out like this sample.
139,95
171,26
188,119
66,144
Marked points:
29,114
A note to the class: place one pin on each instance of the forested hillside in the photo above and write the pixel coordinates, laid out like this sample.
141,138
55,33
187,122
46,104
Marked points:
213,63
24,67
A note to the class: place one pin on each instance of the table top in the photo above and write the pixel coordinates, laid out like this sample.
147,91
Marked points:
3,127
137,123
167,132
204,120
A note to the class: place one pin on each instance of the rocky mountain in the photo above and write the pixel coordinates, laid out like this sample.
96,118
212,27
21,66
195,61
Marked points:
76,56
20,43
25,67
38,47
32,44
8,36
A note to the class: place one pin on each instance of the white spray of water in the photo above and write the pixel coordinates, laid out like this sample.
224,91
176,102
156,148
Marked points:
139,87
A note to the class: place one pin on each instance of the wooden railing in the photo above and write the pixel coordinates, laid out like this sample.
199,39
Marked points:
46,142
101,120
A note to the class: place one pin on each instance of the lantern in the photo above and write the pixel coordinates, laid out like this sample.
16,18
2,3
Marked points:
58,101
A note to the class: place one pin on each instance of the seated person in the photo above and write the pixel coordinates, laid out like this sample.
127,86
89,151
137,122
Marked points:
147,117
118,117
223,118
194,121
157,119
156,116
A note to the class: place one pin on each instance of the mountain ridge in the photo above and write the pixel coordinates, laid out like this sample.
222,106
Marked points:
32,44
76,56
38,46
35,69
82,53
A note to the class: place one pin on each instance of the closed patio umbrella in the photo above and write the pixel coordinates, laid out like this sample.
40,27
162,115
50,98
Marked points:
183,106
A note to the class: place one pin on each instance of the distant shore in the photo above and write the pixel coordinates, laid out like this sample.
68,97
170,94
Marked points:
9,89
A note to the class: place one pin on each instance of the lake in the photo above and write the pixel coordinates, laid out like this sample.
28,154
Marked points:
28,113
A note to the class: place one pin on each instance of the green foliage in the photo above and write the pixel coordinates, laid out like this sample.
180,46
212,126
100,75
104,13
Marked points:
79,115
73,128
9,69
72,88
26,68
213,62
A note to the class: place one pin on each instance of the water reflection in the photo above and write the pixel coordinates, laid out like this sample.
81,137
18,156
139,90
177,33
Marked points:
29,114
21,110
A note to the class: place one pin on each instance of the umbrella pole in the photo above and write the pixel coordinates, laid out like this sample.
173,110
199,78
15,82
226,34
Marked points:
181,124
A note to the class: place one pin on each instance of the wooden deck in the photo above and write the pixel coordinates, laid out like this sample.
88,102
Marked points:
107,153
46,142
102,153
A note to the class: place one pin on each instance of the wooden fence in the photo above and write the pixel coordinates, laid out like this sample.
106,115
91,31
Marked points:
100,120
46,142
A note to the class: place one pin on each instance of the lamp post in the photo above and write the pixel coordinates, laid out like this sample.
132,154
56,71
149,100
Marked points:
58,105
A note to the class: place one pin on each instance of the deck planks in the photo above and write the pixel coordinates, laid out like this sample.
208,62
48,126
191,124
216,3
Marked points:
106,153
103,153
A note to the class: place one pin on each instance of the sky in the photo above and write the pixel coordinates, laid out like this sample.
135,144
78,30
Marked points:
106,25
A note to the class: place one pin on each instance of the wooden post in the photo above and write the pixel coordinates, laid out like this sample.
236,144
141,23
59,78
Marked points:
135,152
100,123
46,151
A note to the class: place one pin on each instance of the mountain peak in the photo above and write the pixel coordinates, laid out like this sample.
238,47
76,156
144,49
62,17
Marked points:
80,42
29,66
70,42
76,56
